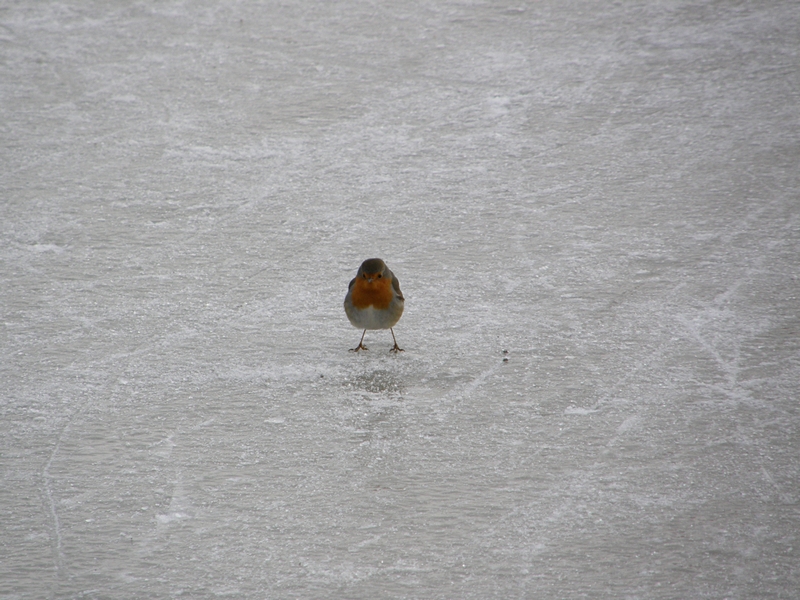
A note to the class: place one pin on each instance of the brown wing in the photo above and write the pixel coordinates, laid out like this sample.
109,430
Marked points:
396,286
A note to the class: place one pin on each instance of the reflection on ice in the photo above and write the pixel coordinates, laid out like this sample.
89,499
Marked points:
375,382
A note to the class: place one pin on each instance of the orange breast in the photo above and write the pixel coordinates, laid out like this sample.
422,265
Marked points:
377,294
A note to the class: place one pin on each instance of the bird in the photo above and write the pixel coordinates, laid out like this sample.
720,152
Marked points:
374,300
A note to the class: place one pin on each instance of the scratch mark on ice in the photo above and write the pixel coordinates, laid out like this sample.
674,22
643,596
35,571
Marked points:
480,379
48,490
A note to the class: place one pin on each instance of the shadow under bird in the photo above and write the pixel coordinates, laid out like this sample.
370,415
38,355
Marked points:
374,300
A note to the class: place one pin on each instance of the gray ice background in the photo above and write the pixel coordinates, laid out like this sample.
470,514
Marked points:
607,194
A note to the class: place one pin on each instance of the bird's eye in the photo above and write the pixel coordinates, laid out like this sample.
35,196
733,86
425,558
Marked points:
379,275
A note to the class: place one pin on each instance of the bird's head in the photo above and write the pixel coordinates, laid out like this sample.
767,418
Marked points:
372,271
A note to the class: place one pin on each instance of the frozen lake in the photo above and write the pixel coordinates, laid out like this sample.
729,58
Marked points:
607,195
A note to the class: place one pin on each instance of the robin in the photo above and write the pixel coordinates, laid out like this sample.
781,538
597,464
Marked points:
374,300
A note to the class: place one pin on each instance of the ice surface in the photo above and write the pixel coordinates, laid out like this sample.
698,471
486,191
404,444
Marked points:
605,194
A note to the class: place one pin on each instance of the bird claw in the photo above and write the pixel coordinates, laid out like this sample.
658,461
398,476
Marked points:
359,347
396,349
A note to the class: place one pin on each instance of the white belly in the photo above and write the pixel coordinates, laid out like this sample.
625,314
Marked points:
370,318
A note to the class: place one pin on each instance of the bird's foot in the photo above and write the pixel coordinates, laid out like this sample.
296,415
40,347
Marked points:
396,349
359,347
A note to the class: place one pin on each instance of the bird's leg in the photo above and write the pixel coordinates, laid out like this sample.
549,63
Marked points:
361,345
396,348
